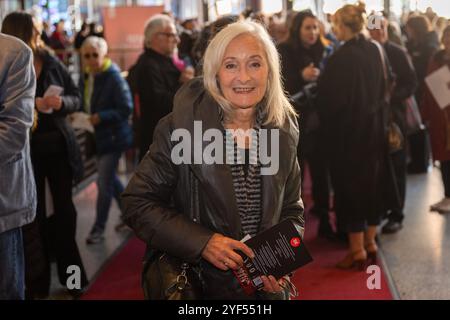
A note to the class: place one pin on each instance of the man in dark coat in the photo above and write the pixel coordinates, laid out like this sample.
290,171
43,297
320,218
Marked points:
405,86
156,77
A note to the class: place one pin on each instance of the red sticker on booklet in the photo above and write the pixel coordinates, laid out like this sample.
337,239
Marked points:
295,242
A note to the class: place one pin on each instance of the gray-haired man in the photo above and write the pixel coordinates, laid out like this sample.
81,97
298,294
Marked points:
157,78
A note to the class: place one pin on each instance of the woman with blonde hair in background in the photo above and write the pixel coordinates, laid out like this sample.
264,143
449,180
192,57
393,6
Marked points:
350,103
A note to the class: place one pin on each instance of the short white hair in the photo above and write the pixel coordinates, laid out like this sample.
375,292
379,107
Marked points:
277,105
154,25
97,43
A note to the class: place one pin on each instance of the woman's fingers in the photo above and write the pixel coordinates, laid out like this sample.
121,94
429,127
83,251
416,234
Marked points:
237,245
235,257
275,284
229,263
267,284
220,264
220,251
271,284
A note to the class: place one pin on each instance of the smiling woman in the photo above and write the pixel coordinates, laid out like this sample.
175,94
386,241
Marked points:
244,72
264,56
217,204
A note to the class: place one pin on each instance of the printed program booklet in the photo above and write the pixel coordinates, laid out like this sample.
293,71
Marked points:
278,251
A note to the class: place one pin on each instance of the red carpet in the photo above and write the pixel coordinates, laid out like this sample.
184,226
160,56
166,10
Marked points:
120,278
319,280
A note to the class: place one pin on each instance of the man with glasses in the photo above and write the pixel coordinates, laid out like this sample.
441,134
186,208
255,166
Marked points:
156,78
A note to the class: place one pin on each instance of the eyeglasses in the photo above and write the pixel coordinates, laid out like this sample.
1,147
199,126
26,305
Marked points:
169,35
88,55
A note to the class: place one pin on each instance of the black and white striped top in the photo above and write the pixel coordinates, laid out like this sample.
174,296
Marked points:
246,173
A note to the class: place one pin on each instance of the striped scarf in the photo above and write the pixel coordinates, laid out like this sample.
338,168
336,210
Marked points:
247,188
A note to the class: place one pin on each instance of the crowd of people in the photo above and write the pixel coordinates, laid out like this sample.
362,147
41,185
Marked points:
338,91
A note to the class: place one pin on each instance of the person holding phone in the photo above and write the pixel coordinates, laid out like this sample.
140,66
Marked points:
303,54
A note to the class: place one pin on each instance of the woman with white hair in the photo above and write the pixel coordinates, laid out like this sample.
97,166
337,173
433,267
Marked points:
107,97
196,214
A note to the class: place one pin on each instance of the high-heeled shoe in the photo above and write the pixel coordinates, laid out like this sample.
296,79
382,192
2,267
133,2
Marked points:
372,253
357,259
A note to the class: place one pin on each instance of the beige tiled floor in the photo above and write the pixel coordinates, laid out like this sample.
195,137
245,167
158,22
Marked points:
418,257
93,256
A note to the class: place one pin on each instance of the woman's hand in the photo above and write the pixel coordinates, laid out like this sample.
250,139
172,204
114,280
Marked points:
95,119
220,251
54,102
41,106
310,73
271,284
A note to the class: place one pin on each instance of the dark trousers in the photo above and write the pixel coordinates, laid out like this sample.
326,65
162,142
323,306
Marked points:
310,151
445,172
320,183
395,191
46,237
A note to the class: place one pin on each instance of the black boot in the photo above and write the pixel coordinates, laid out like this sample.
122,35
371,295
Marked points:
325,229
391,227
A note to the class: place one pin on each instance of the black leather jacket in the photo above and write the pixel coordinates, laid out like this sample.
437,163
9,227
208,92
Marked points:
160,201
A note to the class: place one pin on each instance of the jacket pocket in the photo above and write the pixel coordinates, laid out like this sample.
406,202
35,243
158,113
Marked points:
17,188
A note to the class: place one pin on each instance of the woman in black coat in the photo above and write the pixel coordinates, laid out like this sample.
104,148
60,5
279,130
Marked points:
350,103
303,56
56,158
198,212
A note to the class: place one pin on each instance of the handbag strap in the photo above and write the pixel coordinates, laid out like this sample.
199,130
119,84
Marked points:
387,95
194,212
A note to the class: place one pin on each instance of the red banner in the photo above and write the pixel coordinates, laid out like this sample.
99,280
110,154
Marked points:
124,32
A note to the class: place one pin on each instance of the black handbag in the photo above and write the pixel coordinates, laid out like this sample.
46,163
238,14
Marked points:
165,277
419,151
